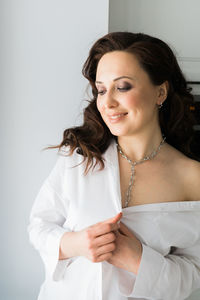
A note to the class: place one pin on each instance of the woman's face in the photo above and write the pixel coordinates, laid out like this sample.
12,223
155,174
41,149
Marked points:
126,97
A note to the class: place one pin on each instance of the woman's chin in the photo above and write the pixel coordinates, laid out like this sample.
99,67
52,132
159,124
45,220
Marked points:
118,132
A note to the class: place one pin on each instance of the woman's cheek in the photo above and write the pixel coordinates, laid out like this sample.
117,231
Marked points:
132,102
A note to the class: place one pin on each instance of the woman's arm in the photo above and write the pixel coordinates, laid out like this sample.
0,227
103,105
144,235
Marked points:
128,252
48,214
56,244
173,276
96,242
46,229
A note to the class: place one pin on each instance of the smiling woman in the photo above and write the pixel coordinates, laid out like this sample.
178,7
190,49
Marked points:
128,101
131,228
140,57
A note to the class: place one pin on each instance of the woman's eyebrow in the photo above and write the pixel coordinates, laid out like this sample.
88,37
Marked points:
132,78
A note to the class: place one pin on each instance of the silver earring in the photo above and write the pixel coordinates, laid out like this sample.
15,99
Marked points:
159,106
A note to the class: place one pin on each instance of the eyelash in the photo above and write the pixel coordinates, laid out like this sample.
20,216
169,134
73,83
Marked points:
120,89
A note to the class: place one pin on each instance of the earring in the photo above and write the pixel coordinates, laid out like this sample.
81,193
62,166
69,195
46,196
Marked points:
159,106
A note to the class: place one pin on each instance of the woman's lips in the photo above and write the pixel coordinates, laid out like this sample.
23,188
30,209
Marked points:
116,117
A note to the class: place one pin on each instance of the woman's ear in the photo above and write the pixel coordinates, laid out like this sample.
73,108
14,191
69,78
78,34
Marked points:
163,92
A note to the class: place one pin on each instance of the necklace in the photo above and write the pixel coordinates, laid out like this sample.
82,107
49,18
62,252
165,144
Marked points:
133,164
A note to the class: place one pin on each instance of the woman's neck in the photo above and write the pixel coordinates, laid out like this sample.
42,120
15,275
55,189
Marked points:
137,146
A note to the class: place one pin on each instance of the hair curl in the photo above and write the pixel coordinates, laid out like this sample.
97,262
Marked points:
158,60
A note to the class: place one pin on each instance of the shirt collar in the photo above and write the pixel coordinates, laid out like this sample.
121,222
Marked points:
110,155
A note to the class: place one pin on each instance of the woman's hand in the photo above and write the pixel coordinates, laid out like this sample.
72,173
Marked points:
96,242
128,251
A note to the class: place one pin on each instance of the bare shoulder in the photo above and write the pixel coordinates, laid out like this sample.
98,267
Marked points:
188,171
192,180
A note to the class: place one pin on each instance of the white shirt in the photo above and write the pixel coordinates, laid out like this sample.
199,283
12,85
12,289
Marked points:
69,201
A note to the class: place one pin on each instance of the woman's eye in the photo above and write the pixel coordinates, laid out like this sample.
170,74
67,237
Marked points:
123,89
119,88
101,92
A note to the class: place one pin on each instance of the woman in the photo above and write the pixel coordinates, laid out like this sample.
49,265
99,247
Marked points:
131,228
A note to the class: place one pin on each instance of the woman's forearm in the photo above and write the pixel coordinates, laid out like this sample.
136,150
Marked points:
95,242
68,245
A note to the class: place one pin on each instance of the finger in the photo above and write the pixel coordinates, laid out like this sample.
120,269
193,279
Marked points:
114,219
104,257
105,249
125,230
104,228
105,239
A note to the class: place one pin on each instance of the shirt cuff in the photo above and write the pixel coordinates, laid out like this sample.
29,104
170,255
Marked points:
55,267
125,282
149,271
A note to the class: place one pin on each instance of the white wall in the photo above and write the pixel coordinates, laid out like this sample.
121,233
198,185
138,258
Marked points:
43,46
175,21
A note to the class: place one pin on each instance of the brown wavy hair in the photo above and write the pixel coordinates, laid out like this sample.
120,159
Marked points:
93,137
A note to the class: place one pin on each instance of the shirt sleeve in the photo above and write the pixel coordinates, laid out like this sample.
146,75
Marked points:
174,276
48,214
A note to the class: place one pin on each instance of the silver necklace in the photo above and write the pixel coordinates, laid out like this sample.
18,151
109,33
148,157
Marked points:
133,164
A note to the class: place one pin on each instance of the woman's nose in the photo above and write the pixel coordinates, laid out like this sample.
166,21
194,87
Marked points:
110,101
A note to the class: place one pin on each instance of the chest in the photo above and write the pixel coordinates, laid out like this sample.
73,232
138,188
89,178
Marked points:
153,183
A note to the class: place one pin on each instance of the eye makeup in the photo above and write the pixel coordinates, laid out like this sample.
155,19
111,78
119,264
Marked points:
123,87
